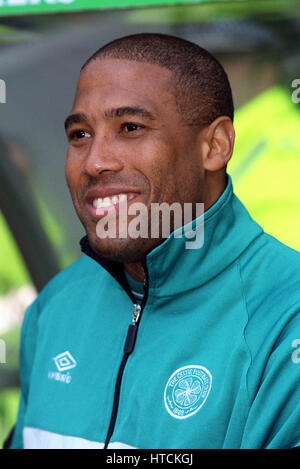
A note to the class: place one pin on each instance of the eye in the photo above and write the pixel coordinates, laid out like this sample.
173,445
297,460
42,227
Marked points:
130,127
79,134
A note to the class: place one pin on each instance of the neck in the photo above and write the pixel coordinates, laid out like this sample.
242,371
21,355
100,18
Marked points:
216,183
135,270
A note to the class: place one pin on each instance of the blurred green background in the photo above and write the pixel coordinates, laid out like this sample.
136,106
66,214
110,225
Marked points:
40,58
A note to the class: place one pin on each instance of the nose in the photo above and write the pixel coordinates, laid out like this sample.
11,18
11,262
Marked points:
102,156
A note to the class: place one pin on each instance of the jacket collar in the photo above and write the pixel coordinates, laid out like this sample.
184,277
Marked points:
174,269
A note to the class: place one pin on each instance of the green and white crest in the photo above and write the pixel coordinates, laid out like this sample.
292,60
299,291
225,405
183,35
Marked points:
187,390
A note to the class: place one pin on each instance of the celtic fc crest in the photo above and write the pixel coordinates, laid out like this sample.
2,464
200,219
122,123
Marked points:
186,391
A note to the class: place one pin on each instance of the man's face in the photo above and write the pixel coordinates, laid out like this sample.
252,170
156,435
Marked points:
127,141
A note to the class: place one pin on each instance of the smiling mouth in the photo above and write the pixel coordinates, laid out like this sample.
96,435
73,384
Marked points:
112,201
101,206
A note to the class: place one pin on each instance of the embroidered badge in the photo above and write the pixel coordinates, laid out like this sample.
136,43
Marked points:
187,390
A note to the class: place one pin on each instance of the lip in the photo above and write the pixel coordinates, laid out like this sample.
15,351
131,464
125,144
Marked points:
107,192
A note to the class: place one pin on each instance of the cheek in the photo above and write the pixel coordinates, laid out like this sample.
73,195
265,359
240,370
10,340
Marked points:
157,158
72,173
158,172
68,173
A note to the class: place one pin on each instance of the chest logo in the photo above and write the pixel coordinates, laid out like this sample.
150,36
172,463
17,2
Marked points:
187,390
63,362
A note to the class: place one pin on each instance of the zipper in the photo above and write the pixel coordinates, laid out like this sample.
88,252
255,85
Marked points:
132,329
128,349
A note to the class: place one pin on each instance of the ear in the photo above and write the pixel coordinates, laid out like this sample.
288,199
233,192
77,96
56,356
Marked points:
217,143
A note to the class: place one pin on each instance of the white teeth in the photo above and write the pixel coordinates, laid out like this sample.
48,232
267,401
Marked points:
123,197
108,201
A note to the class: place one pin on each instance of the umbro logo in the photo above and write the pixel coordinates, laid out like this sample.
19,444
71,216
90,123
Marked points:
63,362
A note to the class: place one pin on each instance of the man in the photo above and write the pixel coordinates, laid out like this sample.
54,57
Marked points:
146,342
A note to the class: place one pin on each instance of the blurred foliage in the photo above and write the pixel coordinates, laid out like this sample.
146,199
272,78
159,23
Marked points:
54,233
9,384
13,272
9,401
9,371
9,34
12,340
208,12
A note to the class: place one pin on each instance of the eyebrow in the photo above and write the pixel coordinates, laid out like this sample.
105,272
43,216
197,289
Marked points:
78,118
128,111
135,111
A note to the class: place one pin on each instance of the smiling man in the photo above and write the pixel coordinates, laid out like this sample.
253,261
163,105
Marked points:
143,343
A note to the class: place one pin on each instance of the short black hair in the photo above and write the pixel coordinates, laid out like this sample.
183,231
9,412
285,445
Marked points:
201,85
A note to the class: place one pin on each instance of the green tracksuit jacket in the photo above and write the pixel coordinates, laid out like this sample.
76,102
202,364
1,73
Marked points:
210,361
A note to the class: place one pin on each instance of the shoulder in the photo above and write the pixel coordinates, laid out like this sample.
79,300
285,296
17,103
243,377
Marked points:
81,272
270,272
68,284
270,278
72,280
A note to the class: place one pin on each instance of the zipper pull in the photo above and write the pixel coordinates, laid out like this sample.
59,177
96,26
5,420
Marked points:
136,313
132,329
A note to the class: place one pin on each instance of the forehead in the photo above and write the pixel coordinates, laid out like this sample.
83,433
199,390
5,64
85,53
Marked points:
115,82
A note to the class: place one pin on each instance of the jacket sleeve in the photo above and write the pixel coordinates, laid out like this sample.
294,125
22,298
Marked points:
27,353
274,417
